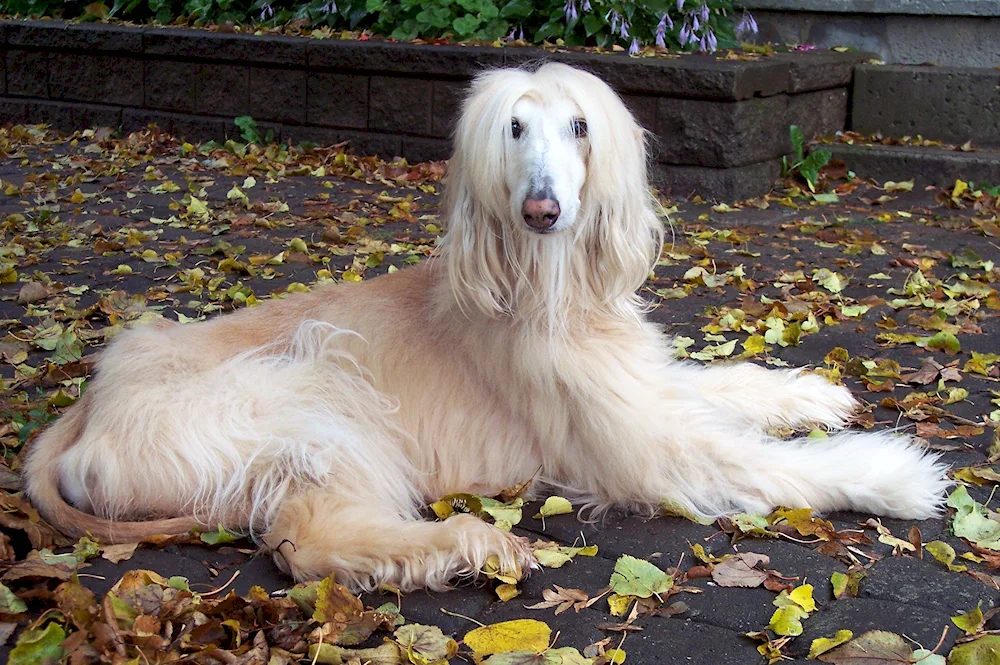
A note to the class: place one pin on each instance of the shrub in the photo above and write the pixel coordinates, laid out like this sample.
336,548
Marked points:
703,25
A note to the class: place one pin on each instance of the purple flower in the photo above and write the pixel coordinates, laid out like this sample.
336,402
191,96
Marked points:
515,33
266,11
661,30
747,24
570,10
623,33
634,48
685,34
330,7
586,5
713,43
695,25
614,19
704,14
680,5
805,47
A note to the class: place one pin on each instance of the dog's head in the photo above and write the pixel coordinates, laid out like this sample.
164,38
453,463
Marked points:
547,194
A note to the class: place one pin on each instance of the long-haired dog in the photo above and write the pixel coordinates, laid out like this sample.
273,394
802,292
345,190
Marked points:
325,421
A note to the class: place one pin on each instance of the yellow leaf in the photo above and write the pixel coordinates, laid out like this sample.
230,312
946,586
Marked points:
554,505
618,605
972,621
516,635
787,620
77,197
824,644
507,591
803,597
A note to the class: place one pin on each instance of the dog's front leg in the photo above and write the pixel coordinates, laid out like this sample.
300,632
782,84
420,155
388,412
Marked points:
646,442
768,397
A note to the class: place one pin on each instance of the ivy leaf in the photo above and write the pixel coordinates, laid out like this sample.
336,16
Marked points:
638,577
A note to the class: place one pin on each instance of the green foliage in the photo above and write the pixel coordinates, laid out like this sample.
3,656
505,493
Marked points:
605,23
249,132
806,166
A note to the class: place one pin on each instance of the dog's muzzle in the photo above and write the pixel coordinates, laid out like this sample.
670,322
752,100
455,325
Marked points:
541,213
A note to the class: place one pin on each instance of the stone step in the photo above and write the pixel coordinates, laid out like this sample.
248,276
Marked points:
950,104
930,166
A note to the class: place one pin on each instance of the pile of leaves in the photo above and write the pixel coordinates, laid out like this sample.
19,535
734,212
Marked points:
692,25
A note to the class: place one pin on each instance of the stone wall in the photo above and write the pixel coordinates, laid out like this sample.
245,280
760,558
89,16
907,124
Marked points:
719,125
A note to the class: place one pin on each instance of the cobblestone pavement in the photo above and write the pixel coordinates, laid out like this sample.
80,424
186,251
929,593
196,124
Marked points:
100,231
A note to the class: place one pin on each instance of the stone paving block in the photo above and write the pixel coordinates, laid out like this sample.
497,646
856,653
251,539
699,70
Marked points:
926,583
722,134
27,73
953,104
400,105
921,624
337,100
819,70
211,89
278,94
219,46
107,79
91,37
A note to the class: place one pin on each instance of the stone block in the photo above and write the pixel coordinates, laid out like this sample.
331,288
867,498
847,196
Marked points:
108,79
27,73
11,110
930,166
200,88
224,47
721,134
278,94
819,70
446,106
400,105
425,150
90,37
731,184
195,128
643,108
819,113
136,120
86,116
697,76
373,56
952,104
337,100
385,146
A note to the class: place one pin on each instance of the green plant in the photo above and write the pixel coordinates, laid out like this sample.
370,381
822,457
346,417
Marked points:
704,25
806,166
249,132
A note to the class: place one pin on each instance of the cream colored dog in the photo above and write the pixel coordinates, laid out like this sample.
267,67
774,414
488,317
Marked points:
324,421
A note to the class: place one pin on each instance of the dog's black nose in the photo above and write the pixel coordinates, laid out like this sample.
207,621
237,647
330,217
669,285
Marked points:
540,214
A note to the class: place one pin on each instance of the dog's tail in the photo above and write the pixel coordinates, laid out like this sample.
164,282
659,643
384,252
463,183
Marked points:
881,472
41,471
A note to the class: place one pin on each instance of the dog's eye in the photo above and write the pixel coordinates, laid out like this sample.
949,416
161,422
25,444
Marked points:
515,128
580,128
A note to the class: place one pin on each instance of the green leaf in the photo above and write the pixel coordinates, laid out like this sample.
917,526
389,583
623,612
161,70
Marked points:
830,197
972,621
798,141
592,24
39,645
983,651
466,25
944,341
971,520
220,537
638,577
824,644
548,29
9,602
517,9
787,620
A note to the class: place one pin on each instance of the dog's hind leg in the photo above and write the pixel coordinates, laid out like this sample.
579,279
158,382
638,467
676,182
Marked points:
365,545
769,397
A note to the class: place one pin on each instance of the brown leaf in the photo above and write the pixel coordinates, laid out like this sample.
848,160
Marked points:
741,570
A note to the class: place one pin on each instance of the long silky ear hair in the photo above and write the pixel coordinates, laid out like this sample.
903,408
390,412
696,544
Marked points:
609,252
